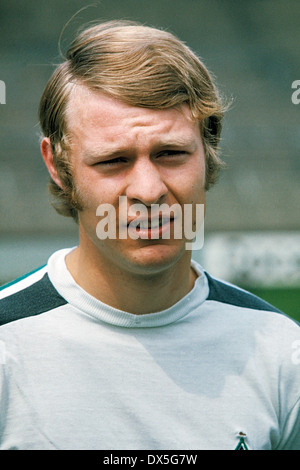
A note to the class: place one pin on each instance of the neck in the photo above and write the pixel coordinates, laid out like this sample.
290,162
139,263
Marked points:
131,292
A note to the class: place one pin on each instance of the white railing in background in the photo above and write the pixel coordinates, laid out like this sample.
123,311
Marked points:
257,259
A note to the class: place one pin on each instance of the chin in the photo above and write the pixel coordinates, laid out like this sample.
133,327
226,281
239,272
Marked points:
156,258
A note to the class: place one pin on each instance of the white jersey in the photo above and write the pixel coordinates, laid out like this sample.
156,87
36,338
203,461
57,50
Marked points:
218,370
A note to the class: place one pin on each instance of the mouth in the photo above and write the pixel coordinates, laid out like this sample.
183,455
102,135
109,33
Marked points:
153,228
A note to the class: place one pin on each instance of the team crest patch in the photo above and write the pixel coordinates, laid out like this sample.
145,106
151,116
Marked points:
241,444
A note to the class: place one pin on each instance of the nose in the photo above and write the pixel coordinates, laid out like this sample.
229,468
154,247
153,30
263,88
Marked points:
145,183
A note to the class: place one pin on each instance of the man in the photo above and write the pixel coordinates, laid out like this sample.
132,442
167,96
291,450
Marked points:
124,342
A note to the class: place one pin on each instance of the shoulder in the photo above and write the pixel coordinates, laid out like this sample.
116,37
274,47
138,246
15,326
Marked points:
222,291
228,294
29,295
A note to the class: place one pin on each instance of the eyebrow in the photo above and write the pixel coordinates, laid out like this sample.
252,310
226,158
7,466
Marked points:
105,153
178,141
102,154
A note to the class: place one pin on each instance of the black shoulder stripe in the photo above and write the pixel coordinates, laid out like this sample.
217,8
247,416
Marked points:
228,294
38,298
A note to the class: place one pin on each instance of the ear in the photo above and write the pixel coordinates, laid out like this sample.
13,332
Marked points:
48,159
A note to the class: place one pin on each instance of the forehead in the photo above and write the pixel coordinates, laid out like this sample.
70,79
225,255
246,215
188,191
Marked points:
94,116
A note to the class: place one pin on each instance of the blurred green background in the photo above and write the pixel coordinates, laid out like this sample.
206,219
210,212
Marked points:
287,300
252,47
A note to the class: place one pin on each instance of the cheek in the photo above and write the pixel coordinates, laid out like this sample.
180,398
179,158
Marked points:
93,190
192,186
199,182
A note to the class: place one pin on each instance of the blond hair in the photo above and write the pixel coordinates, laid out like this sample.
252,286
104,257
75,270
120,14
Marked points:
141,66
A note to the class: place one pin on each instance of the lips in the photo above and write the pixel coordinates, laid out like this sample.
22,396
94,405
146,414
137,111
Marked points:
150,223
153,228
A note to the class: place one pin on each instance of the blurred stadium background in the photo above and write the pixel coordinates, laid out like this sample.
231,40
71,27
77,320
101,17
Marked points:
252,227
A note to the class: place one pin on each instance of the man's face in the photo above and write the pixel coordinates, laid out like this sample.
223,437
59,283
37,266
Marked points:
129,155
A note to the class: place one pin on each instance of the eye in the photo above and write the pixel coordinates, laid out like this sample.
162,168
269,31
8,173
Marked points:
112,162
172,154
